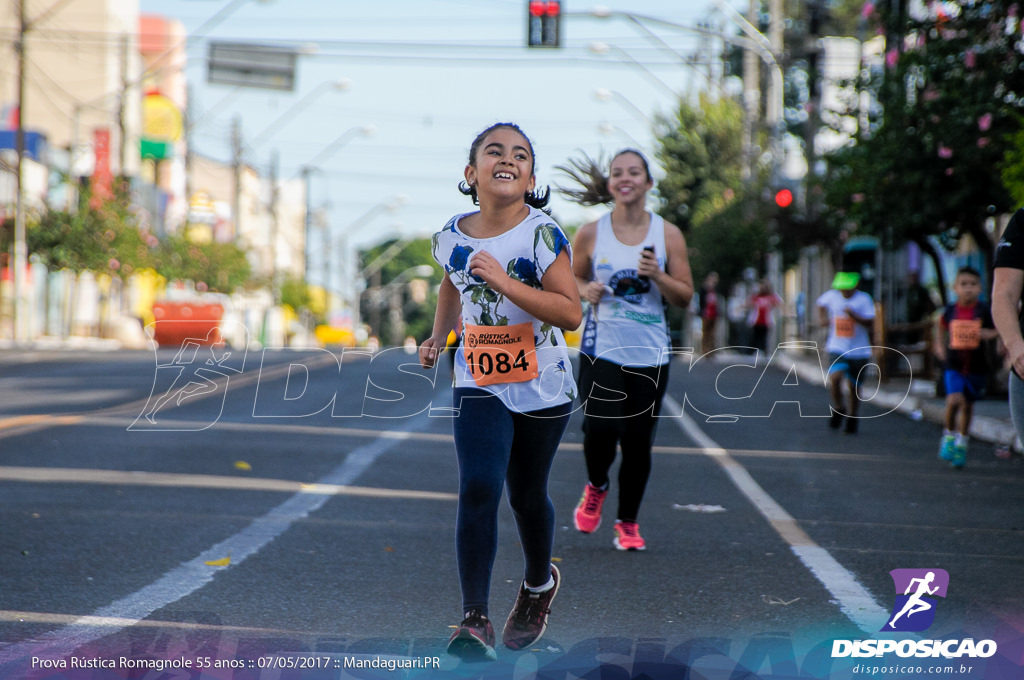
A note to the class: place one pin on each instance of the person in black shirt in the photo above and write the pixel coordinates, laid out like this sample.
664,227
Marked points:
1007,284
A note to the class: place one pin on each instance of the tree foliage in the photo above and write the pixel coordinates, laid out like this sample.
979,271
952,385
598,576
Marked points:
703,191
216,267
105,238
396,258
929,163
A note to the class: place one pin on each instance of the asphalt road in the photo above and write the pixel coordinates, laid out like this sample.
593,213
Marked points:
301,504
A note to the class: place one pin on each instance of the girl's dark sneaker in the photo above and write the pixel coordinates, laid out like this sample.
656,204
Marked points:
529,617
474,639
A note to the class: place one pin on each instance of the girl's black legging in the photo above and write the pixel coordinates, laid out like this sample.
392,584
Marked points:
622,406
499,448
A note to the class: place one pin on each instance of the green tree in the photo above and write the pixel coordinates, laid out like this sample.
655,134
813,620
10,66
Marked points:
929,164
703,191
102,238
217,267
387,262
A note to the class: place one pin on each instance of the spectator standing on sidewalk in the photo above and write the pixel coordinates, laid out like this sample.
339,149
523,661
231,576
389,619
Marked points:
710,307
848,314
1007,284
762,309
962,329
508,272
628,264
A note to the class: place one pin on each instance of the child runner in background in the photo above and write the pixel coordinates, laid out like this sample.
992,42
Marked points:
962,328
508,272
629,264
848,314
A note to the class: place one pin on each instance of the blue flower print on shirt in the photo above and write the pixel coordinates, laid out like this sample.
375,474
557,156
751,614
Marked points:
459,258
524,269
552,237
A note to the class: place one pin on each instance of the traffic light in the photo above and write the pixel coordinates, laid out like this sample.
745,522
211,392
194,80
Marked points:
783,198
543,21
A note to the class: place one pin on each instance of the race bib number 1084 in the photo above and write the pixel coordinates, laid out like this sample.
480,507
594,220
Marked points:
500,354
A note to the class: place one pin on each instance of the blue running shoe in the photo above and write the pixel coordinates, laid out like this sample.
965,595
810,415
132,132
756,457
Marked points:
946,447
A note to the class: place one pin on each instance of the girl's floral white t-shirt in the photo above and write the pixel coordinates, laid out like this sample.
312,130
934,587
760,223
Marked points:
527,250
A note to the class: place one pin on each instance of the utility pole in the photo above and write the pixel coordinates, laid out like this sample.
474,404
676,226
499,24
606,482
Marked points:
812,54
20,246
308,219
751,97
236,172
188,147
122,114
274,228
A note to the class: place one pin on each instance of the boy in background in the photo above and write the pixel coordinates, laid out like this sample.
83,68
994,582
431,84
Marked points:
848,314
962,328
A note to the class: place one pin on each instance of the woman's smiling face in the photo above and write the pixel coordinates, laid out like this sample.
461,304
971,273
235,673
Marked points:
628,178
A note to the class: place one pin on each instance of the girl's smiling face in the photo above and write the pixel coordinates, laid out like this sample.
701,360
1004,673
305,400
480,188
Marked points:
503,165
628,178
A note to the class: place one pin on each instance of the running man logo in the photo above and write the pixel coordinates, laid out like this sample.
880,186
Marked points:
197,371
914,609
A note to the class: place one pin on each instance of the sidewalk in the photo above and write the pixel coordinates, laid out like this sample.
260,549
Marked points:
916,400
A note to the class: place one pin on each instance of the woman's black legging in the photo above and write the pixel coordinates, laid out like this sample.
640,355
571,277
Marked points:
622,406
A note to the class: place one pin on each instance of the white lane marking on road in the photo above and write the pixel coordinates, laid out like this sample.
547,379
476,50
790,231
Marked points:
194,574
853,599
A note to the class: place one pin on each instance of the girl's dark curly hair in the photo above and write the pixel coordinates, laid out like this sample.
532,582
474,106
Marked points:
536,199
590,175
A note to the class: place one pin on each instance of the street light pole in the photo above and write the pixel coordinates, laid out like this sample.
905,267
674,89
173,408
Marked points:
338,85
754,40
598,47
308,168
604,94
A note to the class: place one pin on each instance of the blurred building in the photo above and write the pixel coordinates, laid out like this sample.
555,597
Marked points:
105,96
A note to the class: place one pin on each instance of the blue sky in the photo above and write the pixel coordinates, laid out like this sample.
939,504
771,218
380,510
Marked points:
427,76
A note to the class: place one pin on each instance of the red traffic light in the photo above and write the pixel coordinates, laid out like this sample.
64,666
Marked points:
542,23
783,198
539,8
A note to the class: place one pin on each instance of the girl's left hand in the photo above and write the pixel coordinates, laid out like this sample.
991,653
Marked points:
485,266
648,265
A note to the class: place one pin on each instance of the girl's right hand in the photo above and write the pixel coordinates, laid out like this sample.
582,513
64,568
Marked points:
594,291
430,350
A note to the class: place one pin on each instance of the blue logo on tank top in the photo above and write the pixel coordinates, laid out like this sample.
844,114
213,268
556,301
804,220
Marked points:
627,285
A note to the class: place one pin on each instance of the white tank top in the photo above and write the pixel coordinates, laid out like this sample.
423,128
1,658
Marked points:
628,326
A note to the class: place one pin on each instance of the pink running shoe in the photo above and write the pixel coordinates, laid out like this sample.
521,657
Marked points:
627,536
588,513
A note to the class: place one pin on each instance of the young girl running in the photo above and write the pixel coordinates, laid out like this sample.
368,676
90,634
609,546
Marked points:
628,264
508,272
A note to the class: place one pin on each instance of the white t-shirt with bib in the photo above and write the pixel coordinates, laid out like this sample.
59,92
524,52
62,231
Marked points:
526,250
846,336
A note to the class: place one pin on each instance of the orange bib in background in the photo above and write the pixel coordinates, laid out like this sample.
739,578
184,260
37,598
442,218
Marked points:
965,334
500,354
845,327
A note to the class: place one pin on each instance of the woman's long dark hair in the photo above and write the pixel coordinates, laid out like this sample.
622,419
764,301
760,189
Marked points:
536,199
590,175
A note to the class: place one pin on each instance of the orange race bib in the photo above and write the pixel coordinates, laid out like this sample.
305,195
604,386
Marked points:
965,334
500,354
845,327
